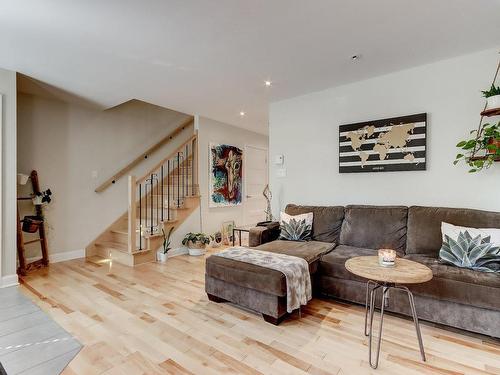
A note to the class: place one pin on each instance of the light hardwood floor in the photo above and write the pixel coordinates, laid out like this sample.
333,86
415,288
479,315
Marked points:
156,319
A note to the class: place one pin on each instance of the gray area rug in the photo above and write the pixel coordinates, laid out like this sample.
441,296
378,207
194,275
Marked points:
30,341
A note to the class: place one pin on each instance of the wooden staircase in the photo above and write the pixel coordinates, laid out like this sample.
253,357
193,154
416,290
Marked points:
161,199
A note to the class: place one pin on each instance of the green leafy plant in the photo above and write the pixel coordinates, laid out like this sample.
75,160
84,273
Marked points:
201,238
295,230
166,240
474,253
492,91
482,150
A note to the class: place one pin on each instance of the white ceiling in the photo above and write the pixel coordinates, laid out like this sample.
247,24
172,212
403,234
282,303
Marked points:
211,57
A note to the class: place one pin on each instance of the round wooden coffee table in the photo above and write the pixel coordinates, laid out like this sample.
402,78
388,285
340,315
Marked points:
404,272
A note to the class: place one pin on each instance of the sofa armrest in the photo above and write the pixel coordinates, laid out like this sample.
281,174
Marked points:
262,234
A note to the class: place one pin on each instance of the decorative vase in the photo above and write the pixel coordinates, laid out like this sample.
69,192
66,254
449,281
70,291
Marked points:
22,178
161,256
493,102
37,200
196,248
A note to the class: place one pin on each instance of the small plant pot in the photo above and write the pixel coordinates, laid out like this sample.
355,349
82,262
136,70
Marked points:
494,141
196,248
31,223
493,102
161,257
37,200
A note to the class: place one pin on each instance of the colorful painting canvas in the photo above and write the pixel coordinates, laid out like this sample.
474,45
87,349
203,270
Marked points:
226,171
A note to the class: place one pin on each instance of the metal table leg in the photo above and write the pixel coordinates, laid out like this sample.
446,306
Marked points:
415,319
370,305
367,304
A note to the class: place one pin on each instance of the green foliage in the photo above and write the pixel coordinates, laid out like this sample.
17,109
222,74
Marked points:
166,240
196,237
480,144
474,253
493,90
295,230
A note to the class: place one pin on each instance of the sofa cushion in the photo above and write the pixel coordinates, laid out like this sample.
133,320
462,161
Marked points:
424,226
375,227
327,220
461,285
333,263
264,279
310,250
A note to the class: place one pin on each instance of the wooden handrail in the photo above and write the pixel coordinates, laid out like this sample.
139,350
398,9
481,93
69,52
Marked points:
171,155
110,181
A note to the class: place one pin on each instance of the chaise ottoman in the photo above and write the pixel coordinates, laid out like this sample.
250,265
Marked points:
258,288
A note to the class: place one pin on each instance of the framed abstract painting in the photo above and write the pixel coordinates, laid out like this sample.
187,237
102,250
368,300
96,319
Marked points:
226,175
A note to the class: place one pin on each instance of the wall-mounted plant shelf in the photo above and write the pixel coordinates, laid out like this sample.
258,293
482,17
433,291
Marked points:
491,112
484,158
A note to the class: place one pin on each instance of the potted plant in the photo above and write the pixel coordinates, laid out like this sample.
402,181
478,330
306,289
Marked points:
482,150
492,97
216,239
196,243
162,254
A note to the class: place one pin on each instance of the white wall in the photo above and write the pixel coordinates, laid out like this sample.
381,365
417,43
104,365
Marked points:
8,149
305,130
65,143
211,131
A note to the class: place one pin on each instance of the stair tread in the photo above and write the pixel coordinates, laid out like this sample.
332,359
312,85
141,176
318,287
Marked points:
113,245
118,246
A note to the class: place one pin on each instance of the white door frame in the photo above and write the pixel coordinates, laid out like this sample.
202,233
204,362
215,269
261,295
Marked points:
1,193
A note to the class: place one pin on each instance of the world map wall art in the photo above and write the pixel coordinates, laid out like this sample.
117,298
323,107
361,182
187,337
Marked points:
226,171
388,145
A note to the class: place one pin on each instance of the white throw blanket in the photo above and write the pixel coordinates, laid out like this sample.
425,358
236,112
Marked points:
295,269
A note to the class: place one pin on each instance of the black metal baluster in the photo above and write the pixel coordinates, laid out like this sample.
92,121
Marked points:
168,190
162,197
140,217
151,194
178,180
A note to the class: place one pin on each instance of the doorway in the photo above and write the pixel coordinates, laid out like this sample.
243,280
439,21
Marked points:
256,179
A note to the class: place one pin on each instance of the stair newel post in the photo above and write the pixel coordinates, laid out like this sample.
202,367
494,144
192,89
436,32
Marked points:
140,217
193,143
168,190
162,196
152,203
178,180
186,168
132,213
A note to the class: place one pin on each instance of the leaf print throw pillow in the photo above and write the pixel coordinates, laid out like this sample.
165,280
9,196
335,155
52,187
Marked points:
296,228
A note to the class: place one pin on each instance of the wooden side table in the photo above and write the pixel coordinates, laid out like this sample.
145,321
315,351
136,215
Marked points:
404,272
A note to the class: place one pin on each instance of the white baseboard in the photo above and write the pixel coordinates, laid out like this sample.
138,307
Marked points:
67,255
9,280
179,251
62,257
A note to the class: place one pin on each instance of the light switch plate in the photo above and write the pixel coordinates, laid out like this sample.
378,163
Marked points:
281,172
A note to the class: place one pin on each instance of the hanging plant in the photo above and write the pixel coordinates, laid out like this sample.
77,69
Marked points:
482,150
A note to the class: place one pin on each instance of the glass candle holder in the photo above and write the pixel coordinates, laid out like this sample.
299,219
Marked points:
387,257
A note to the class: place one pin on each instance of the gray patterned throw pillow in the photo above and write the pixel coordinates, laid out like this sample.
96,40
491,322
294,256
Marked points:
296,228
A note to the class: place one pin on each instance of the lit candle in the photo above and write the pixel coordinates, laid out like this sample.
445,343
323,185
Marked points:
386,257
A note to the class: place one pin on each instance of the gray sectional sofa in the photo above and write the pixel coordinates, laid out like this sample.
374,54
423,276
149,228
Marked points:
455,297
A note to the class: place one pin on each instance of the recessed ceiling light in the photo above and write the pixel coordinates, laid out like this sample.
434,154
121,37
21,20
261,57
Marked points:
242,113
268,83
355,57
